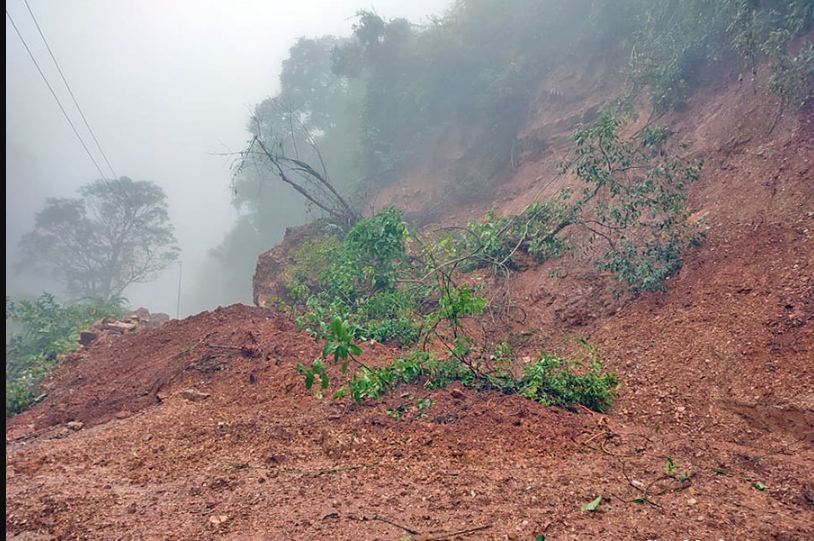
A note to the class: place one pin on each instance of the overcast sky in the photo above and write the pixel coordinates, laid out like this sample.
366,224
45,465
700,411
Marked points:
164,84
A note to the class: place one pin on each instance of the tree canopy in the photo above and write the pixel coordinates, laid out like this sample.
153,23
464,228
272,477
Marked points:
118,232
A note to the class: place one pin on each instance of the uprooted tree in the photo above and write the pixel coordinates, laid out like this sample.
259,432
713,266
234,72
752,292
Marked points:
380,281
287,149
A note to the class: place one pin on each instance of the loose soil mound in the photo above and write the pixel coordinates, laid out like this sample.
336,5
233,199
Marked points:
717,374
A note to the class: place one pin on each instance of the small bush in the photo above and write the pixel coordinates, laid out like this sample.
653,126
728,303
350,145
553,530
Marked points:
356,278
554,381
632,202
551,380
41,330
793,76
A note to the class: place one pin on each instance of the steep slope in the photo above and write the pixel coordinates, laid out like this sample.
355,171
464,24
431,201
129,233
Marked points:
717,372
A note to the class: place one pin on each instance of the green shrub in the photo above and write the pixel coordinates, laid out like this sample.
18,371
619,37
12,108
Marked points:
554,381
356,278
632,200
41,329
489,241
551,380
674,40
793,76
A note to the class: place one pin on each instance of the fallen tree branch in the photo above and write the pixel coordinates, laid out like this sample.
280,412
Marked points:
386,521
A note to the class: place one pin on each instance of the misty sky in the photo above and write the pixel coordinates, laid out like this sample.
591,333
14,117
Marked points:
164,84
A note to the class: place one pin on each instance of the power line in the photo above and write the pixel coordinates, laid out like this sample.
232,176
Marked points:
73,97
45,79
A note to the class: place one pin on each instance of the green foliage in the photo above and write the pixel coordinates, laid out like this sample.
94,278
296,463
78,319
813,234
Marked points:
494,241
458,302
339,344
671,470
489,242
793,75
674,40
356,279
553,381
632,201
593,504
362,290
41,329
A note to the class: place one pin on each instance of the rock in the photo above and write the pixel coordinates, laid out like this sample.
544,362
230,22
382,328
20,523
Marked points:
193,396
156,320
122,414
86,338
457,394
119,326
218,519
75,425
141,313
268,283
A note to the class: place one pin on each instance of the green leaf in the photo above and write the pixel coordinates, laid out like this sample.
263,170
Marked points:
336,326
759,486
540,537
593,504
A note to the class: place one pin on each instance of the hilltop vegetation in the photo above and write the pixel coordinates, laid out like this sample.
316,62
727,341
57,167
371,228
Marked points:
362,108
662,224
353,112
41,330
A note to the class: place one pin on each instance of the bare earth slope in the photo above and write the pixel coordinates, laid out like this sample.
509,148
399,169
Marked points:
717,372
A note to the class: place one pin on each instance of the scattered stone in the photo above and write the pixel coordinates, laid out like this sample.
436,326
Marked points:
147,437
75,425
119,326
31,536
86,338
141,313
159,318
122,414
218,519
193,396
457,394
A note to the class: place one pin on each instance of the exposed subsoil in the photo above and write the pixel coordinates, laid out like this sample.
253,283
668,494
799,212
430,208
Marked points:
717,373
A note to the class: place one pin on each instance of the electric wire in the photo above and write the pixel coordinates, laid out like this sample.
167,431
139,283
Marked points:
56,98
70,91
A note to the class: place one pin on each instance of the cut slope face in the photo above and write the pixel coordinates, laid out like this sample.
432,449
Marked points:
717,374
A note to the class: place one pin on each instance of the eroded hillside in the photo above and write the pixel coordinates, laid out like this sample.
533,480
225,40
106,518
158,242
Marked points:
202,428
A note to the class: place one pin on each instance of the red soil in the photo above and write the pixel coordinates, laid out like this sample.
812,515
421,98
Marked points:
717,372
